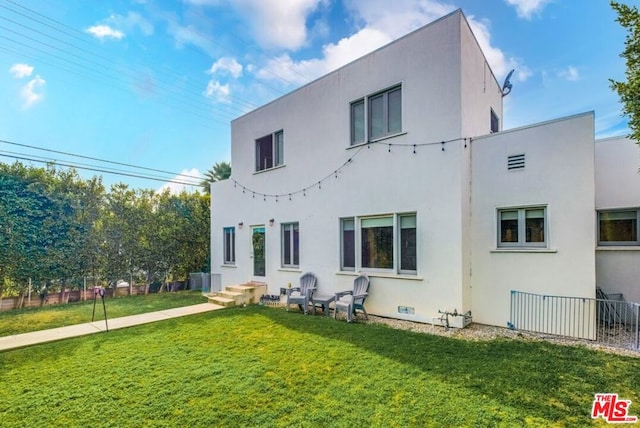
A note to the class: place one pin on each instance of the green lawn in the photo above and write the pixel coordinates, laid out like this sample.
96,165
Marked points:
262,366
51,316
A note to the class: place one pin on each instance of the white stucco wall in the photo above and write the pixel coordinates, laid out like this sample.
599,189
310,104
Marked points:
618,186
559,174
431,182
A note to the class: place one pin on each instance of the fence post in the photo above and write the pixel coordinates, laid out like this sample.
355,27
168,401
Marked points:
637,324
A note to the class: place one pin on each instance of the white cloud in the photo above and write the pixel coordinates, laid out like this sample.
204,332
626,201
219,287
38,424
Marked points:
21,70
186,175
102,31
570,73
219,92
403,17
31,92
334,56
275,23
526,8
380,25
226,65
189,35
135,20
500,64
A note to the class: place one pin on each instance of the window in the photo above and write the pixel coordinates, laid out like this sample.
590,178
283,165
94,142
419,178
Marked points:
229,245
270,151
357,122
290,245
348,245
383,113
377,242
408,244
618,227
522,227
382,243
495,122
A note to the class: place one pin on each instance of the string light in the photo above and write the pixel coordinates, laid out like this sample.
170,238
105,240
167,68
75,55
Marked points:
348,162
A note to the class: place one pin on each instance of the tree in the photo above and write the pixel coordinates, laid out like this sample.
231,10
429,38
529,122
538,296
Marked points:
220,171
629,91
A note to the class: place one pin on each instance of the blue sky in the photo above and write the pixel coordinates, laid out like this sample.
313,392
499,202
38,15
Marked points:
156,83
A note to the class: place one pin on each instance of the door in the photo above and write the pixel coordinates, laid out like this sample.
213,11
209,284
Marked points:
258,246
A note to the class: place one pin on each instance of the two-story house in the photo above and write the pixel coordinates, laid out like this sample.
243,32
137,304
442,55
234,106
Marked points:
397,165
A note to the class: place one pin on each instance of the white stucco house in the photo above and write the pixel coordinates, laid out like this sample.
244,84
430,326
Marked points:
397,165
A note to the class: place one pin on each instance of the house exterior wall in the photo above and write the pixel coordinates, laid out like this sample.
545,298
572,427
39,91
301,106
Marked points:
391,176
618,186
558,174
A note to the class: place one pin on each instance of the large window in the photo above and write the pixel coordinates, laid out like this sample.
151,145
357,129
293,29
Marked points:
270,151
229,245
383,116
290,245
618,227
522,227
381,243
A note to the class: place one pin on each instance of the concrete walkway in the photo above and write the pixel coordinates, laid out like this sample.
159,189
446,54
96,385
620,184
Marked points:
42,336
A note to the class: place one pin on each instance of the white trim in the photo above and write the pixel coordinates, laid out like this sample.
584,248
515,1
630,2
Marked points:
378,274
523,250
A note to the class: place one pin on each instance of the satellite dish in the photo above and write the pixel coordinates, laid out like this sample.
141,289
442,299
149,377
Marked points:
506,86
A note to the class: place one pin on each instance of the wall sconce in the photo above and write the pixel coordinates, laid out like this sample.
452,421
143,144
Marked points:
271,222
240,225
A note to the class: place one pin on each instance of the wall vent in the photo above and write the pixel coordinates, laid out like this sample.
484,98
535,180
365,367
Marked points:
515,162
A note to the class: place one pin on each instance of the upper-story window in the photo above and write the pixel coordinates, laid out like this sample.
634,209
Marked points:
270,151
376,116
495,122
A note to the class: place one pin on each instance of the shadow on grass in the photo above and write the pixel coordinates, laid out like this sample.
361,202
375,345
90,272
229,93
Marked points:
540,379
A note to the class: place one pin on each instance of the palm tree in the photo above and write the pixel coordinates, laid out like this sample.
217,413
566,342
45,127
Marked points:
220,171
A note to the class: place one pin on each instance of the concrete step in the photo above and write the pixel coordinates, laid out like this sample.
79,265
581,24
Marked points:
222,301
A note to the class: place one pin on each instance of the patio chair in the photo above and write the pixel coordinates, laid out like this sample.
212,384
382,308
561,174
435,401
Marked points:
349,301
302,295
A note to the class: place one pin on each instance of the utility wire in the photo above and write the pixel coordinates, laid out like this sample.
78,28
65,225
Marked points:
92,158
106,171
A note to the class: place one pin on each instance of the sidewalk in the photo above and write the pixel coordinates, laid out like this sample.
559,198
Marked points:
42,336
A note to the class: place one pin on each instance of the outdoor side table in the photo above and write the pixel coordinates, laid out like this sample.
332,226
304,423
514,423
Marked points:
324,302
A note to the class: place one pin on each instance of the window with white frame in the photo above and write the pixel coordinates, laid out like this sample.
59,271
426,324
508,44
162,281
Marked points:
270,151
229,245
379,243
618,227
522,227
290,245
383,113
348,244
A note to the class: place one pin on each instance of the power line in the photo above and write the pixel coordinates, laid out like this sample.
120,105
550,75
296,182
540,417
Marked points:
106,171
107,61
91,158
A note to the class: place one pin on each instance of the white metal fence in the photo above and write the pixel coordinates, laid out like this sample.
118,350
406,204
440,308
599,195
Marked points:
607,321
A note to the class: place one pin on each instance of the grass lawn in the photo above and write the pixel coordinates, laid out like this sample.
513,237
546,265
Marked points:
51,316
261,366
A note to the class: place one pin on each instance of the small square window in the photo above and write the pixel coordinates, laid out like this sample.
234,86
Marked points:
270,151
522,227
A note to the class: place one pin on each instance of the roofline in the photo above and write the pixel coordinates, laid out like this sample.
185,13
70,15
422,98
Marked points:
615,137
534,125
442,18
